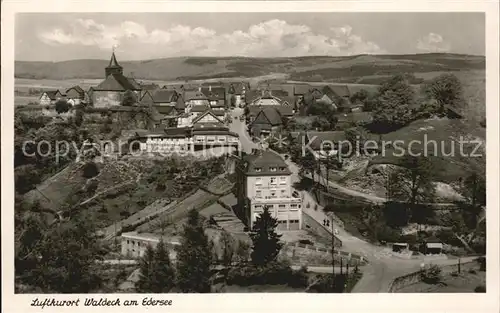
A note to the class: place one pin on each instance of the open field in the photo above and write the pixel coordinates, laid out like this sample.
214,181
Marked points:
346,69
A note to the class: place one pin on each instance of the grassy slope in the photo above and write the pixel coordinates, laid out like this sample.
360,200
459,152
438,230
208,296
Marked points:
346,69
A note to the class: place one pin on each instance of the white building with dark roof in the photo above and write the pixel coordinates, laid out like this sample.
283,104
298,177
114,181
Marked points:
266,181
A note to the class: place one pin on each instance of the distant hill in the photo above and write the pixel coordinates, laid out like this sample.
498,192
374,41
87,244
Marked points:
368,69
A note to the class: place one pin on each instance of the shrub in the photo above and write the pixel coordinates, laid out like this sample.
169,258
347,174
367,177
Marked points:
273,273
431,275
472,271
480,288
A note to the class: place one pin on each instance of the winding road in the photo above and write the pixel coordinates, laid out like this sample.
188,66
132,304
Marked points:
383,266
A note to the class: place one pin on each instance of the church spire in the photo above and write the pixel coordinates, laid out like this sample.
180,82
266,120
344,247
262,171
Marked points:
113,67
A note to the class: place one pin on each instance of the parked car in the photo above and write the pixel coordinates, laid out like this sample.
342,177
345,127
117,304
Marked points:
295,194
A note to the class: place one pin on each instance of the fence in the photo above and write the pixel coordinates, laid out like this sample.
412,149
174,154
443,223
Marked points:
353,259
413,278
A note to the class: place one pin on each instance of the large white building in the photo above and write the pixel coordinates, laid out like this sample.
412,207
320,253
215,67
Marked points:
207,135
133,244
266,182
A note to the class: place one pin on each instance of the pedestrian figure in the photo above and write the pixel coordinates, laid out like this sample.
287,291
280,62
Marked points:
324,222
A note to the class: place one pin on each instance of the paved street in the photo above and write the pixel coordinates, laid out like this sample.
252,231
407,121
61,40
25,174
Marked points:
240,128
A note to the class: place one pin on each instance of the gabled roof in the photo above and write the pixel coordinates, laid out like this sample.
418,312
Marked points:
77,89
208,112
271,114
282,109
52,94
338,90
163,95
261,163
116,82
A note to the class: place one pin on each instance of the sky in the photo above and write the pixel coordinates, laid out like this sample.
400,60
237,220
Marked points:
142,36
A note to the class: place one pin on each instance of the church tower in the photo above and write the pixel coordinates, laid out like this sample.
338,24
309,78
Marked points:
113,67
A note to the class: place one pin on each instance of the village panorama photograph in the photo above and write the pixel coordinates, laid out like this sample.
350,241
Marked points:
250,152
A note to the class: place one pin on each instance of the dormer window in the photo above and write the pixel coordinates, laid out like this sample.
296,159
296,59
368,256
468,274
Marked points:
258,169
282,169
272,169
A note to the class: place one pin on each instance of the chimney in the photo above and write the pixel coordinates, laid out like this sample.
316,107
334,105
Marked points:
210,88
199,89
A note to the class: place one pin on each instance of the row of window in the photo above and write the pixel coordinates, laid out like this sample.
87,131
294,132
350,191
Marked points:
154,148
271,169
260,207
258,193
273,180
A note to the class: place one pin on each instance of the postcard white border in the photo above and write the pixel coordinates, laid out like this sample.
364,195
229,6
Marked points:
488,302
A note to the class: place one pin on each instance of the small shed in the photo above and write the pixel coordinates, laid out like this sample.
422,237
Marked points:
400,246
433,248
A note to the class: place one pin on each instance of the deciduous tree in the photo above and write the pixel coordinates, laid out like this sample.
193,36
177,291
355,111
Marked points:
62,106
392,109
412,181
446,89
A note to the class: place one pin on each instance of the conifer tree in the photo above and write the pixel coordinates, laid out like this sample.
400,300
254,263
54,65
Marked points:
157,273
146,268
266,242
194,257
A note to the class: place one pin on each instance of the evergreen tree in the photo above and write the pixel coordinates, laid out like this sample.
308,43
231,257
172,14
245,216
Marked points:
147,276
266,242
194,257
157,273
